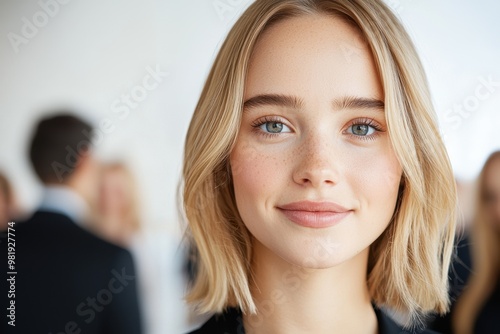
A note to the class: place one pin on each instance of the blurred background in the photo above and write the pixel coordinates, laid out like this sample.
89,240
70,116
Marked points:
135,69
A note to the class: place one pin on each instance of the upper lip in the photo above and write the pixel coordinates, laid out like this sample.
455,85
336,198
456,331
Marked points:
314,207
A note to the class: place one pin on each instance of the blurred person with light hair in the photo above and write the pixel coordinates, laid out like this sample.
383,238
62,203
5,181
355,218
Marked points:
118,219
478,308
68,279
316,186
461,267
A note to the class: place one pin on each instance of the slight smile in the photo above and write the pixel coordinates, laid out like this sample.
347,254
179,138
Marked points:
314,214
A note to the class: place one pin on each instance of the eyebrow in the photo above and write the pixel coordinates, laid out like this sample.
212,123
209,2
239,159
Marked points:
354,102
273,100
280,100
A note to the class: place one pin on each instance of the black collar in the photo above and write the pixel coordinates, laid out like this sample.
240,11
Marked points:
231,322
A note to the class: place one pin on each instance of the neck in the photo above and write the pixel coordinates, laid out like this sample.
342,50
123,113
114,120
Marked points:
291,299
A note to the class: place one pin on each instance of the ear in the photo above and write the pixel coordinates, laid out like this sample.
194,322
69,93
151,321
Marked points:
85,166
81,166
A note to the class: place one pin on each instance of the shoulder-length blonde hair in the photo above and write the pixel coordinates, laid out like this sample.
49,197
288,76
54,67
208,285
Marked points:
408,264
485,252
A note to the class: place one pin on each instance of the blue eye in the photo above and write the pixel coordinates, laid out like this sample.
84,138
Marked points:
274,127
361,130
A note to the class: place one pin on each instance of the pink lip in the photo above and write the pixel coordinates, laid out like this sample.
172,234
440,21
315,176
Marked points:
314,214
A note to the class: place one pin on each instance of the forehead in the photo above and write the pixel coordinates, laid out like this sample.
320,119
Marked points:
312,52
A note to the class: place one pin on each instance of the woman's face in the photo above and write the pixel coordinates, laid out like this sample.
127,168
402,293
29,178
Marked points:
114,197
492,191
315,176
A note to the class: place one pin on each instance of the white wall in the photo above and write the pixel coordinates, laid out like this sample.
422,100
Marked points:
458,41
91,52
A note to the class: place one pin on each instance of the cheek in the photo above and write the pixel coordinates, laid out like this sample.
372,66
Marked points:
255,174
111,196
375,180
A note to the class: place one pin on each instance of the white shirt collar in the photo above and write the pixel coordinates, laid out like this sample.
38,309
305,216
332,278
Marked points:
64,200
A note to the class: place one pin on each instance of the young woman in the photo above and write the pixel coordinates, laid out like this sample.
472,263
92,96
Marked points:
316,186
477,310
118,217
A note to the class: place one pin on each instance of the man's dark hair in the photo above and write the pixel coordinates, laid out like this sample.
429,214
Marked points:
58,143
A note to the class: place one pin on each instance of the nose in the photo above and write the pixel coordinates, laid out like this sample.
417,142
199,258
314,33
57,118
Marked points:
317,162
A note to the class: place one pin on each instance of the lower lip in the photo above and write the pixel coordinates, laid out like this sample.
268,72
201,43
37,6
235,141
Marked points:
315,219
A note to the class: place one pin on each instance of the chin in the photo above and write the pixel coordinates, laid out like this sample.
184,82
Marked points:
318,255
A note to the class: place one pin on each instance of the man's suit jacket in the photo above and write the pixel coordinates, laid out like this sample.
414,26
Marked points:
68,280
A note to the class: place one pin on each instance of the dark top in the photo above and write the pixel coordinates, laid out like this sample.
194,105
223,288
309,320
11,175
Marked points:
67,280
231,322
458,275
487,320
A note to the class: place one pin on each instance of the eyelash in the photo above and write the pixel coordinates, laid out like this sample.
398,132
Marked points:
366,121
267,119
358,121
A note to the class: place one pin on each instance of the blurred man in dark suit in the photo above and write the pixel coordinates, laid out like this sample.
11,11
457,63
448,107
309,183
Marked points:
66,280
